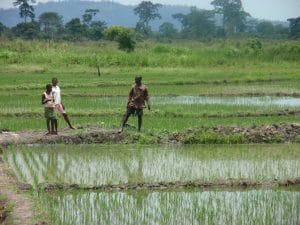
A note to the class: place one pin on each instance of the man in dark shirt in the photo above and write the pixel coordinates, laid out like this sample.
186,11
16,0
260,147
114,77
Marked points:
138,95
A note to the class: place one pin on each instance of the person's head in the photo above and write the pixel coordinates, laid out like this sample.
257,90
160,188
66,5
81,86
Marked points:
138,79
54,81
48,87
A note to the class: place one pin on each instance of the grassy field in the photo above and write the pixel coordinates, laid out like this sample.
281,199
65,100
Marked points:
220,68
191,84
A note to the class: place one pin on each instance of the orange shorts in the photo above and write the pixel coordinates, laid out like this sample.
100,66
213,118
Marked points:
60,108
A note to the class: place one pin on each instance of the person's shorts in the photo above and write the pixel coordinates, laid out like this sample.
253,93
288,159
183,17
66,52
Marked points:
49,113
60,108
135,112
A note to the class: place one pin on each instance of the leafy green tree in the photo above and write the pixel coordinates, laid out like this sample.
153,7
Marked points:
234,17
26,10
294,27
146,12
265,28
50,23
96,30
197,24
27,30
88,15
167,30
2,28
75,29
122,35
280,31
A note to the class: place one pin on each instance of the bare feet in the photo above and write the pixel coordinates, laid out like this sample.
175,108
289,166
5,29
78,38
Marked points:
47,133
54,132
71,127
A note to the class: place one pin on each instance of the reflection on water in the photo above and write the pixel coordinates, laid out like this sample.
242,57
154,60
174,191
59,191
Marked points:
96,165
256,101
175,207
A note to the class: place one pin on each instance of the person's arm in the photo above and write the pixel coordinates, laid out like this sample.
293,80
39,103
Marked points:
147,98
44,100
130,96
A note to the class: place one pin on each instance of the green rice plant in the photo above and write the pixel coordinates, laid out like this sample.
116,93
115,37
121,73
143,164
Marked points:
260,206
105,164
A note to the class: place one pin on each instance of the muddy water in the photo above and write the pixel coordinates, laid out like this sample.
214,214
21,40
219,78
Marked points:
102,165
175,207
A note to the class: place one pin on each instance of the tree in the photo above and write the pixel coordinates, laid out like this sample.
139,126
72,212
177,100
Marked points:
26,10
265,28
294,27
197,24
146,11
123,35
50,23
2,28
96,30
26,30
234,17
167,30
75,29
88,15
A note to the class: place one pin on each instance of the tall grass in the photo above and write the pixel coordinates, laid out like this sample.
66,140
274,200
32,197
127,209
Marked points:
147,54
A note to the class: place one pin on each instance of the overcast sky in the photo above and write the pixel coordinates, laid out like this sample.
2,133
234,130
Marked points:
262,9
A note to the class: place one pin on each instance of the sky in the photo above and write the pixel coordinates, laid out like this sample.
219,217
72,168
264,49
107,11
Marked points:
279,10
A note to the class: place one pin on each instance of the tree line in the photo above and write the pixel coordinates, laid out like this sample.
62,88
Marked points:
197,25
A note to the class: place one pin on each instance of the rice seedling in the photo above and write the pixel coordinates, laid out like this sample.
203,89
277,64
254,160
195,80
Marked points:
96,165
262,206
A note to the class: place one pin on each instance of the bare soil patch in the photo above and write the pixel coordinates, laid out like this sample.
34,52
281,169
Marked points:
271,133
22,211
226,183
3,212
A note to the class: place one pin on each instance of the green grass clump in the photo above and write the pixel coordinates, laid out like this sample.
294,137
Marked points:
211,137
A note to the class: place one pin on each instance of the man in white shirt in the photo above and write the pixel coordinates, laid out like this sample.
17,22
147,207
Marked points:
57,101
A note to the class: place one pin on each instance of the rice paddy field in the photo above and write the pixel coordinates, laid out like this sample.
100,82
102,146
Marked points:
191,84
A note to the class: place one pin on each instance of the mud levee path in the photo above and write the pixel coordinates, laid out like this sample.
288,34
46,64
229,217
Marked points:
86,134
233,134
22,210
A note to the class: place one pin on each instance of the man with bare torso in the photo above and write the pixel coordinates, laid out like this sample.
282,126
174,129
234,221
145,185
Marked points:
138,95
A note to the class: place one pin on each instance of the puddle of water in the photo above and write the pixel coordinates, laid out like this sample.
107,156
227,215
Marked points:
97,165
174,207
256,101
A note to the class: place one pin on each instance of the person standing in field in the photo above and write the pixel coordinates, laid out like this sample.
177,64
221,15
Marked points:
48,102
58,103
138,95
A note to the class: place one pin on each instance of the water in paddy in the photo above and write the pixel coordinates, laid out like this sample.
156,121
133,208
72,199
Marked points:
262,206
256,101
222,100
116,164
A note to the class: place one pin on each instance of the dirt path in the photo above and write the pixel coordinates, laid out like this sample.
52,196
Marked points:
86,134
22,210
268,133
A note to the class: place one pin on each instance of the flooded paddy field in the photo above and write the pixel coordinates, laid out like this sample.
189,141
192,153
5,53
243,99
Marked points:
260,206
94,165
116,165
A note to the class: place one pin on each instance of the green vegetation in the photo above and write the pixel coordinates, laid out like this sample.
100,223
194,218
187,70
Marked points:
183,70
101,165
189,207
193,87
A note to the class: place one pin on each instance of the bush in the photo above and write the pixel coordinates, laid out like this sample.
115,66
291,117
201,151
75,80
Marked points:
123,35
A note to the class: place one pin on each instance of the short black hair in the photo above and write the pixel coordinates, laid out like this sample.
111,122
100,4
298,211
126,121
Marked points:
48,86
138,77
54,78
